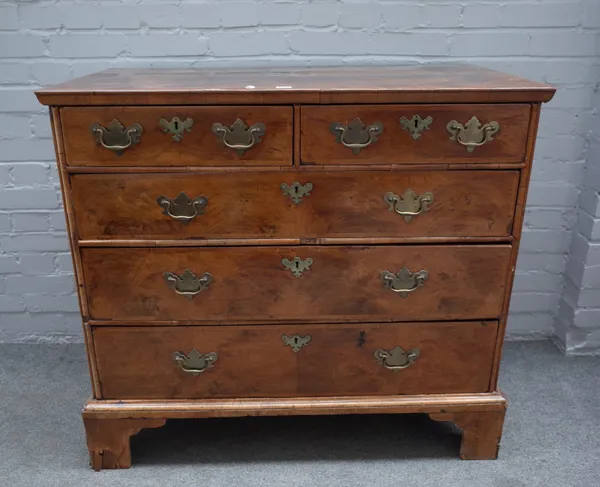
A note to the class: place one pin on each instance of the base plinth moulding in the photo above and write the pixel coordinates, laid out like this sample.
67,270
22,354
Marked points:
109,425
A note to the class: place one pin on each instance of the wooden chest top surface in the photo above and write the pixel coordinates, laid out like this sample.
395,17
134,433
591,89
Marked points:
435,83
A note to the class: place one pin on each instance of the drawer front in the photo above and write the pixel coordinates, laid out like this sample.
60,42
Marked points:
308,360
296,283
344,204
392,134
177,136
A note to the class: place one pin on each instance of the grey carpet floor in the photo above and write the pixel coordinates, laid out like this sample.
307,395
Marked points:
551,435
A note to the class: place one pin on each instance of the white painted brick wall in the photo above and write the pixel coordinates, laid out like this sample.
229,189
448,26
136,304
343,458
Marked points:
46,42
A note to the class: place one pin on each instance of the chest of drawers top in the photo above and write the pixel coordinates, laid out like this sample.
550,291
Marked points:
435,83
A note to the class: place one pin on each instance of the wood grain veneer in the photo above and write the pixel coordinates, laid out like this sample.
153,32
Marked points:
454,358
200,146
344,282
396,145
252,205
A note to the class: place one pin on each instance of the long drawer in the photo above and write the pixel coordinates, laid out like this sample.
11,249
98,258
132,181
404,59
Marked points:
329,283
308,360
295,204
362,134
177,136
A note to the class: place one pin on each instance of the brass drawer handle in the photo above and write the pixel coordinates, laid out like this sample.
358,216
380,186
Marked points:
182,207
409,204
404,282
356,135
473,133
176,127
195,362
296,191
297,265
416,125
296,342
188,284
239,136
396,358
115,137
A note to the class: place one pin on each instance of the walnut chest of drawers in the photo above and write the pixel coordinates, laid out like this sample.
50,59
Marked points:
302,241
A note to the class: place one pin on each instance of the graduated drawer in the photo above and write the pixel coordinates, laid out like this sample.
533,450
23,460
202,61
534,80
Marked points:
391,134
328,283
308,360
253,205
149,136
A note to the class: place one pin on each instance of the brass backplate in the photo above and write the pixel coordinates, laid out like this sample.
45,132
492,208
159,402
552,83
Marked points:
473,134
187,284
408,204
396,358
404,282
239,136
182,207
115,137
356,135
195,362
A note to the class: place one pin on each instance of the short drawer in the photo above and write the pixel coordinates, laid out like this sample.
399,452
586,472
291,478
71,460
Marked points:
329,283
177,136
309,360
310,205
362,134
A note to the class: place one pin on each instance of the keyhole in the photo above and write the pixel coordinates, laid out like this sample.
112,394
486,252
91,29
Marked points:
296,341
416,124
176,125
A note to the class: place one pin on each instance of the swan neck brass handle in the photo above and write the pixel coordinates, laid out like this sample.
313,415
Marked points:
472,134
404,282
182,207
188,284
239,136
408,204
356,135
115,137
195,362
396,358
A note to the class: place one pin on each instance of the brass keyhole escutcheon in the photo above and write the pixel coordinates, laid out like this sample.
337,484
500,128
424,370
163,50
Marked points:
416,125
176,127
296,342
296,191
297,265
